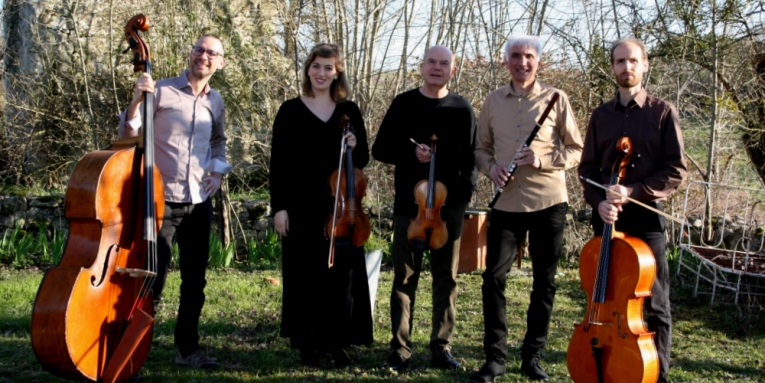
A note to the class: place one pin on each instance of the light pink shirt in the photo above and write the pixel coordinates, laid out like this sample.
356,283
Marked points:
189,137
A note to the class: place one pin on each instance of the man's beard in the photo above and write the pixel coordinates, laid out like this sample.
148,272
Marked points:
629,82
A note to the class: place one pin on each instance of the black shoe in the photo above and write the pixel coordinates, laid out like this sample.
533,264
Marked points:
396,362
488,372
444,360
308,357
137,378
341,358
533,370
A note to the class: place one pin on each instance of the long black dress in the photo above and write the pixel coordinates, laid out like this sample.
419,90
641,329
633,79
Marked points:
322,308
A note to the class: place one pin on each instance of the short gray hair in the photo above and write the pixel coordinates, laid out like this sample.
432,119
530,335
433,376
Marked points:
526,41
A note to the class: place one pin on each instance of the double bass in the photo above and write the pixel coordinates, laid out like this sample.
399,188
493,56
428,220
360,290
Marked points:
348,224
93,315
427,230
612,343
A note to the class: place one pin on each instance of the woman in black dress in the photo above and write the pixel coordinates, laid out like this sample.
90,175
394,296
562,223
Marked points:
323,309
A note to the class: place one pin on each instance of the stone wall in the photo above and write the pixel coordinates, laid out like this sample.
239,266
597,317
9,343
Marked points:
249,218
32,212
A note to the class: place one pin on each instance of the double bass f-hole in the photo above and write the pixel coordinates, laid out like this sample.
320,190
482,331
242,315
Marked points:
110,253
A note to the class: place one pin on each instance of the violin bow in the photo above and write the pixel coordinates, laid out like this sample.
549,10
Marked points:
657,211
331,260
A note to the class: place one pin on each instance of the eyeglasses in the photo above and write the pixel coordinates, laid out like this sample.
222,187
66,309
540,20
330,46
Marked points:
198,51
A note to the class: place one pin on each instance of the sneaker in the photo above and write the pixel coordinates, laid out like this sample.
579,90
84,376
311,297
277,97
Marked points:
534,370
444,360
197,360
396,362
488,372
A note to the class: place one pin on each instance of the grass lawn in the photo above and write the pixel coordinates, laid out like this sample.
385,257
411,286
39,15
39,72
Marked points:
240,326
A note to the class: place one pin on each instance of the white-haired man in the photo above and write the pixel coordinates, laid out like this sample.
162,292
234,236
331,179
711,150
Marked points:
534,200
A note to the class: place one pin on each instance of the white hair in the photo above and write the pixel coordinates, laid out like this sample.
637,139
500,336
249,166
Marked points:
525,41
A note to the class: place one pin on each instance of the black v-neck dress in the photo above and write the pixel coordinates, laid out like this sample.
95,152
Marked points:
322,308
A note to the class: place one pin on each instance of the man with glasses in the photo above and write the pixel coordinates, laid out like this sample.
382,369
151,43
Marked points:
190,153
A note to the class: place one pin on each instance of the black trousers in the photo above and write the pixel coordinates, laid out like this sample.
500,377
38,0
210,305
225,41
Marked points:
545,230
190,225
636,221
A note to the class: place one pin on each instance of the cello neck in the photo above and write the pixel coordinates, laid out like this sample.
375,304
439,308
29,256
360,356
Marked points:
601,276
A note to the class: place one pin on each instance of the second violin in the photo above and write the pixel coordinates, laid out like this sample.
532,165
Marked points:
428,230
347,225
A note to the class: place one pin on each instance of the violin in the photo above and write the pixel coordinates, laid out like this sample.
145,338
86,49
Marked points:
427,230
348,224
93,315
612,343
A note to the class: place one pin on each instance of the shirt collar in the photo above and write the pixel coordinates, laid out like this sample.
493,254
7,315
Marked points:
638,100
182,81
535,90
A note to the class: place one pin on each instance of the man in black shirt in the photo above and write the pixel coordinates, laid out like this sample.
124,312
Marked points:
419,114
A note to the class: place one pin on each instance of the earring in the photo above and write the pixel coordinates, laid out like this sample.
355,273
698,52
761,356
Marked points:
334,78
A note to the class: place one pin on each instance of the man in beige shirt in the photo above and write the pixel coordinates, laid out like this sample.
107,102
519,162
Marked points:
534,200
190,153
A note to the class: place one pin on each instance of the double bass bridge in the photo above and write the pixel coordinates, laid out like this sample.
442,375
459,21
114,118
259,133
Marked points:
136,273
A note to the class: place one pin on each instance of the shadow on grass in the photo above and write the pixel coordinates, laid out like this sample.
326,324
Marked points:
710,367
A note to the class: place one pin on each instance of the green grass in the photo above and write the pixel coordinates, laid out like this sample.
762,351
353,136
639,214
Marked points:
240,327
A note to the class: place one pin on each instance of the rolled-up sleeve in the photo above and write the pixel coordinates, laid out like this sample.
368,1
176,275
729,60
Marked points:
569,154
484,142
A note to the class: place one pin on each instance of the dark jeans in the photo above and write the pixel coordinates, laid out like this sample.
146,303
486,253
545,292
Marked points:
506,230
407,264
636,221
190,224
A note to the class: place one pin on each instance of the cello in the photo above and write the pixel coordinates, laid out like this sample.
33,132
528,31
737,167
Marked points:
93,314
612,343
347,225
427,230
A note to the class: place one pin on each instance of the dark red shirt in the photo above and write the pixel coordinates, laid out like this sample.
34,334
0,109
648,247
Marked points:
653,127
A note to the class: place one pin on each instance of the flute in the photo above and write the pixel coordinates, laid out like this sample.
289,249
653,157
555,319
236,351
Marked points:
512,166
